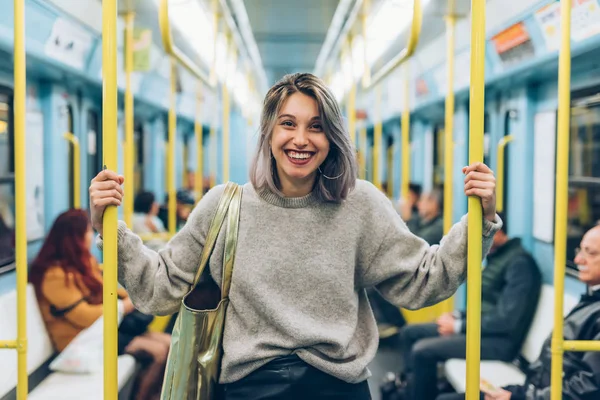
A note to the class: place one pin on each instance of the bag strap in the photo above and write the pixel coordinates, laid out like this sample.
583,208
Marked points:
213,230
231,239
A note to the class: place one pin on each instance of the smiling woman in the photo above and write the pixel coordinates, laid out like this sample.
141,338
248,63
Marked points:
312,238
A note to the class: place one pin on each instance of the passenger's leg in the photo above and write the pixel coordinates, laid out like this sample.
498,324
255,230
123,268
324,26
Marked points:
151,380
455,396
410,335
427,353
315,384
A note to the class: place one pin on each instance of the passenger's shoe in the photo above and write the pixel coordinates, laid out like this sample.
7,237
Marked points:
393,387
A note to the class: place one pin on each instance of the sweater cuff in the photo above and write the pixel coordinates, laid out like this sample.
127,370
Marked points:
121,229
490,228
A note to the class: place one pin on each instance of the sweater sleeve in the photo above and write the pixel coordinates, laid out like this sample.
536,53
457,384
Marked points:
62,292
157,281
405,269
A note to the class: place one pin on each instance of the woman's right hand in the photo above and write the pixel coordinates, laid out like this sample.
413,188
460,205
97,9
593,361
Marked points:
128,306
105,190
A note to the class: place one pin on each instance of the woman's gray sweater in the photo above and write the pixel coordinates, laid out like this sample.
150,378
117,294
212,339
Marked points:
299,276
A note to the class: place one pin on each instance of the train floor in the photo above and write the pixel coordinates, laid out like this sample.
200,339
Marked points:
388,358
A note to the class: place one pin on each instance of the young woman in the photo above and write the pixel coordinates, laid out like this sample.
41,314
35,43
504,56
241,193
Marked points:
312,238
68,285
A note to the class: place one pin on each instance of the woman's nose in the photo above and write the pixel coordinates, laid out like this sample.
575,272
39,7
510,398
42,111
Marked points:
301,137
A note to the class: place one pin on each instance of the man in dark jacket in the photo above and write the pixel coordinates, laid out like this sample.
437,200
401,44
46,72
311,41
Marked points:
429,223
511,284
581,370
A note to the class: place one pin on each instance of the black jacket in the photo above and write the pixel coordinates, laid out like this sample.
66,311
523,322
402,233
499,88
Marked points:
581,371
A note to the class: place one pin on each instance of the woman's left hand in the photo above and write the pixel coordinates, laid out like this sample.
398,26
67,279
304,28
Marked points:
480,182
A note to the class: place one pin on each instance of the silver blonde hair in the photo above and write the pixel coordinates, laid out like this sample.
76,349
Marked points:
336,176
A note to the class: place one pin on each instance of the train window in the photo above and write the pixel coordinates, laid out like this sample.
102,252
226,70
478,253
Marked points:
138,164
584,171
7,189
94,149
71,156
438,155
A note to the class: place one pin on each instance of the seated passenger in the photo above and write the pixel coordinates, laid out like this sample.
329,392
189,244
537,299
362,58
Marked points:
511,283
429,224
185,202
145,219
581,370
408,207
68,284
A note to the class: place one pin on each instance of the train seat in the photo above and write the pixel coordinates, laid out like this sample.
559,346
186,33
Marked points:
50,385
500,373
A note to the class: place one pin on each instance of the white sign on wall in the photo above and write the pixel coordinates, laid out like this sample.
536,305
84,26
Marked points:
544,155
68,44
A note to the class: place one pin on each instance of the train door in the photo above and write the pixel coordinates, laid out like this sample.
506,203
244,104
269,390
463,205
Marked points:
70,129
7,181
584,169
94,148
508,130
138,160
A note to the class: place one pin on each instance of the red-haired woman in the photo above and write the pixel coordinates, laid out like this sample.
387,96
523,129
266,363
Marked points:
68,285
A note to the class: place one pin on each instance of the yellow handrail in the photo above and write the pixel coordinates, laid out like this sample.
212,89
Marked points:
449,130
351,102
405,125
20,197
76,168
477,98
500,172
109,144
199,183
405,54
129,189
171,191
562,186
377,134
581,345
366,78
173,51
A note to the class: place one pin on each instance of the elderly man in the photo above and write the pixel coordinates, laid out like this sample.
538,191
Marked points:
581,371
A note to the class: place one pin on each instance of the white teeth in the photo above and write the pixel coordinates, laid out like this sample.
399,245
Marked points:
298,155
582,268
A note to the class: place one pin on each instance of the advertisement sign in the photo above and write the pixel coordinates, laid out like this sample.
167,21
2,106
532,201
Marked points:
510,38
585,22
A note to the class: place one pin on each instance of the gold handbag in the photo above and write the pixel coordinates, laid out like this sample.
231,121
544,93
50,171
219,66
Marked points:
194,362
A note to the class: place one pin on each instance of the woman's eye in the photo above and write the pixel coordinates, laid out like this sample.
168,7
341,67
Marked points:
317,127
287,123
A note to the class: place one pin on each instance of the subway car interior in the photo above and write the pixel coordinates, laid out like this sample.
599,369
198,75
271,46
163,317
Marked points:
175,96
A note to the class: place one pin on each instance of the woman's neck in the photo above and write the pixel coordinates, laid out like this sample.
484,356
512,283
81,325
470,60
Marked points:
297,188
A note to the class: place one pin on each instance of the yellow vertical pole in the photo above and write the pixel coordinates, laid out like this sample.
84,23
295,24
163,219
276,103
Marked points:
199,145
449,132
363,151
76,168
171,151
226,116
562,186
20,196
477,96
378,133
500,172
109,144
449,120
130,145
351,103
405,123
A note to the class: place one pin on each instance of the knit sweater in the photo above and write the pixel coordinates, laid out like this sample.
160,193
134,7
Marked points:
299,275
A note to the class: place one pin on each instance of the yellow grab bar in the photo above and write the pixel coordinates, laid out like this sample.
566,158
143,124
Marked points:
20,199
500,172
129,189
405,125
173,51
377,134
76,168
477,97
449,131
199,183
406,53
562,187
581,345
172,220
110,153
351,102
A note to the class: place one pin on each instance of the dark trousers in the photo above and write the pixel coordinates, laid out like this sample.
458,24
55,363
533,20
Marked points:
424,348
290,378
455,396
